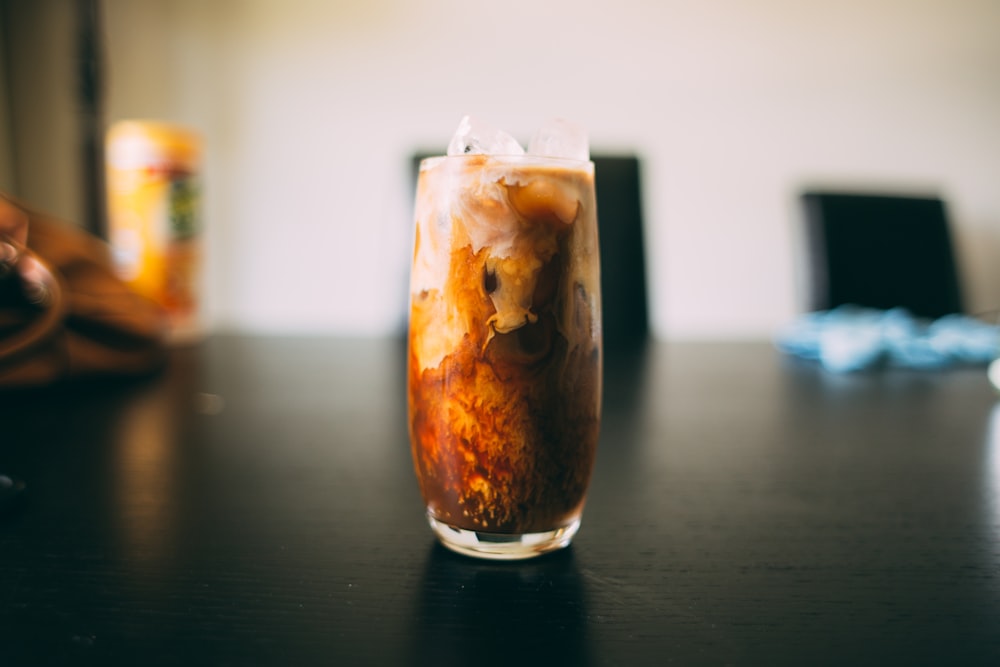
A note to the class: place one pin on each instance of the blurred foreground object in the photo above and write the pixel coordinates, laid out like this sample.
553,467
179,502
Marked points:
881,251
154,198
994,374
63,313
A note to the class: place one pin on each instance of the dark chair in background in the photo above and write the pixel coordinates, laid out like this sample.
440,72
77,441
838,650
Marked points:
881,251
623,265
624,297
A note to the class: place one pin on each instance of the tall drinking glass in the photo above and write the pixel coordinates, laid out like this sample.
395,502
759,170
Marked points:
504,363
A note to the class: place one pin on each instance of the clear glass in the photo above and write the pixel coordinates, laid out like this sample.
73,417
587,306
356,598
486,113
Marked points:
993,370
504,362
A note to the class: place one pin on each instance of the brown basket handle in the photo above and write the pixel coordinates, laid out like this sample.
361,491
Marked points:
52,304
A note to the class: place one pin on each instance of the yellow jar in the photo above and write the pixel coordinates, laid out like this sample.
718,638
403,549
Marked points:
154,219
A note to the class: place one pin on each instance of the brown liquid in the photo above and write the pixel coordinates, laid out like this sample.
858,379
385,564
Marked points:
504,355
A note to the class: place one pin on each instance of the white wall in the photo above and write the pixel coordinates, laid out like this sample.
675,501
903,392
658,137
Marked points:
40,84
310,108
7,182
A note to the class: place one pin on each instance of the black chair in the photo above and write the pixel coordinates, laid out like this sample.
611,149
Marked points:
624,298
881,251
618,189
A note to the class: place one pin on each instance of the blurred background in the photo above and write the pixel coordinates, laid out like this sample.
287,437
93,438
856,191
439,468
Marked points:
311,109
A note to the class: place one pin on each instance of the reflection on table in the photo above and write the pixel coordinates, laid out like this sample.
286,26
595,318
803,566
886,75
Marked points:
256,503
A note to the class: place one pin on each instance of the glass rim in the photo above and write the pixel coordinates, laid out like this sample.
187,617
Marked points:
509,159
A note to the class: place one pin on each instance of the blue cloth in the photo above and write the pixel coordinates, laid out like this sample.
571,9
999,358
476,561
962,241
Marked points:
850,338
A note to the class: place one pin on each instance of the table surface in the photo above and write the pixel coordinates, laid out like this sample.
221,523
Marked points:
256,504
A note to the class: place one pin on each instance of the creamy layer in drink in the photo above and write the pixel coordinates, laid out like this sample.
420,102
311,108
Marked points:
505,344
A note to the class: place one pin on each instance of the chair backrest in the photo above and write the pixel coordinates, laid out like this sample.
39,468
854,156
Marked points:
881,251
617,182
618,185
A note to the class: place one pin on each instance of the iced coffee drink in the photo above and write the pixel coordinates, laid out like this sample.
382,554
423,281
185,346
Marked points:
504,361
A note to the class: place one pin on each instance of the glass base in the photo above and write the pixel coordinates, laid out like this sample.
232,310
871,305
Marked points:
502,546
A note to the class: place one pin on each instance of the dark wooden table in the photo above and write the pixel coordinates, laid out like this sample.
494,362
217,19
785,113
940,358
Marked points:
256,505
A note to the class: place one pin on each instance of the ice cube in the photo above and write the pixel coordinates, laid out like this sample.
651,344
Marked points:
476,136
563,138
